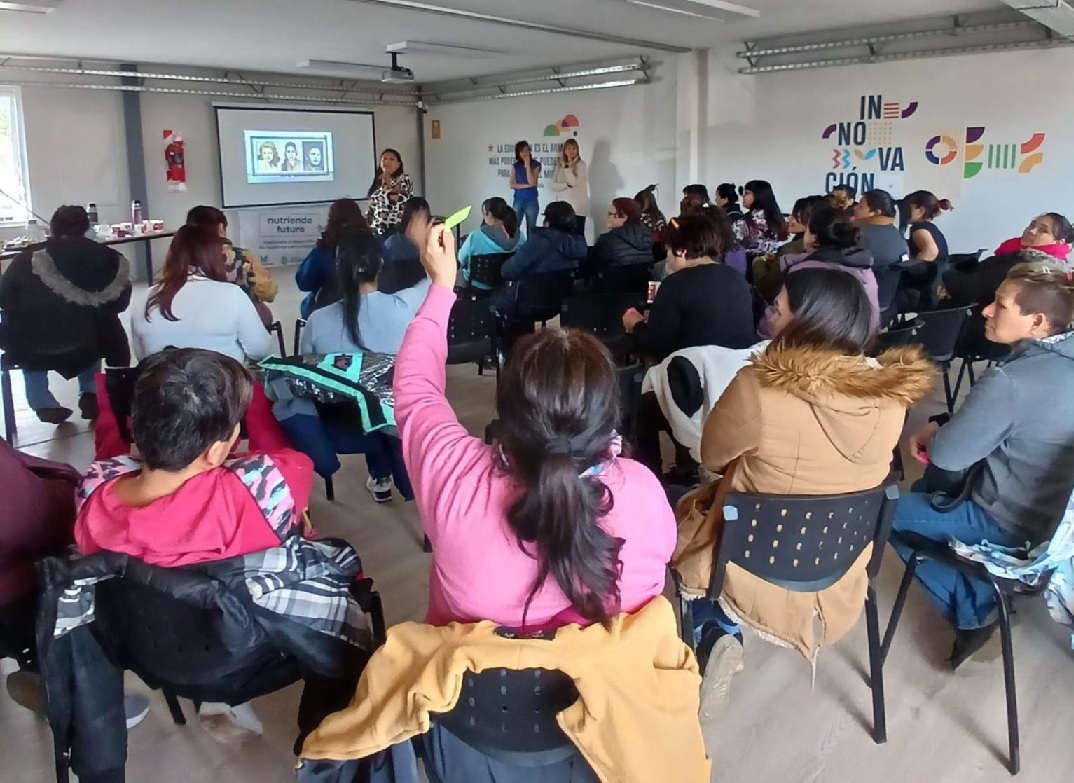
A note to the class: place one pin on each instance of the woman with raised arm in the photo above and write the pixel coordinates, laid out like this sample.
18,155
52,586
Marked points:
551,526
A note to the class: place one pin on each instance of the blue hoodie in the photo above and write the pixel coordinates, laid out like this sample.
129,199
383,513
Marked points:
546,250
488,240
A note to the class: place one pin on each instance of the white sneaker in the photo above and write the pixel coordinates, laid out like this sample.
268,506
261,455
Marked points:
135,707
724,662
381,490
230,725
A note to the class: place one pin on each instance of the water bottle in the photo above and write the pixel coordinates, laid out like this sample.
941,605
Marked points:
94,218
137,215
34,231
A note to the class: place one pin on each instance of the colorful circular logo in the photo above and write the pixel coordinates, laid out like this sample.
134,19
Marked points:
941,150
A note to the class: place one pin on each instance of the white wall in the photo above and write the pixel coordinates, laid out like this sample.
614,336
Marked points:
770,127
77,154
627,136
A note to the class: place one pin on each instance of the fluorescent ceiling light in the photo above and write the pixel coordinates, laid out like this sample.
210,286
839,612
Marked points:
30,6
447,50
576,88
701,9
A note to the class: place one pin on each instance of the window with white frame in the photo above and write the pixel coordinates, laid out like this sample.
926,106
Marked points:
14,177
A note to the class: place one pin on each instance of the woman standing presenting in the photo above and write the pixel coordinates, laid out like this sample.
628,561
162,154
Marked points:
524,178
571,182
389,192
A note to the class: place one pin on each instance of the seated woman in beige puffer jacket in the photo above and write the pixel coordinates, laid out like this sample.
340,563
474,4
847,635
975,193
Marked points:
809,416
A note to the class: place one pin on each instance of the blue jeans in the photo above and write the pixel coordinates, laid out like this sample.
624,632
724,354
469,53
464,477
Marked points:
321,442
38,395
527,211
966,603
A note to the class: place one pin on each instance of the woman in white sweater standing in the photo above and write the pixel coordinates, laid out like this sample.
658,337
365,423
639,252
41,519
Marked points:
193,306
571,182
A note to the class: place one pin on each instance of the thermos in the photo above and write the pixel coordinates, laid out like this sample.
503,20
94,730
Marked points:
94,218
137,215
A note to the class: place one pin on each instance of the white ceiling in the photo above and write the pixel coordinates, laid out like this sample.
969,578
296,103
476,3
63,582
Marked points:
274,35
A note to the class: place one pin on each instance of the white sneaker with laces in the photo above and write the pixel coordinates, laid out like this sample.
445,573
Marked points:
381,490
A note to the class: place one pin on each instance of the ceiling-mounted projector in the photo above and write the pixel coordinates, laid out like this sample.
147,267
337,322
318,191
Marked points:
392,74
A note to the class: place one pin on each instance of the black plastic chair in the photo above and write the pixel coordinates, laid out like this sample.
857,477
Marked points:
1005,589
602,316
898,336
887,291
940,332
8,395
300,324
486,271
510,715
540,296
472,334
806,543
624,279
277,329
630,383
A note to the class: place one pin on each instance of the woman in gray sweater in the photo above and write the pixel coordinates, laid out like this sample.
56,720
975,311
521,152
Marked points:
1018,432
364,320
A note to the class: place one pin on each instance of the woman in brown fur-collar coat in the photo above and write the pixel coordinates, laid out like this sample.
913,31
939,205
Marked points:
810,416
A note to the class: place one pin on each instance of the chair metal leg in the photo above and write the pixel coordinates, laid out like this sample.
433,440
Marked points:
1015,761
973,379
876,667
376,614
948,395
10,429
174,708
277,327
299,323
329,490
900,601
961,375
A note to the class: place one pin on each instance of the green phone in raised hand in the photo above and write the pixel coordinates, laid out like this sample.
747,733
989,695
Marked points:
457,219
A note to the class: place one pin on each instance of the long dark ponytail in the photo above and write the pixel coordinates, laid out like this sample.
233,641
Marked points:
357,262
498,208
558,403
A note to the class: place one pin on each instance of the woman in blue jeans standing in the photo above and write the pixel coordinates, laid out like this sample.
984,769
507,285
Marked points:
365,319
1017,425
524,177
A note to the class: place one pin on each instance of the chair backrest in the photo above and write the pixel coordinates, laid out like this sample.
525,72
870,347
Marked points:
601,314
470,330
543,293
173,642
887,288
941,330
907,334
486,269
508,713
624,279
803,543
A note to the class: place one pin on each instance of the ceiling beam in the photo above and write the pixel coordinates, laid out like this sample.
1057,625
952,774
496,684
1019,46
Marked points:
1057,15
522,24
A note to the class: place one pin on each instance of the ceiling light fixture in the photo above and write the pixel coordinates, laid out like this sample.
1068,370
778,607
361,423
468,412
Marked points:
918,55
30,6
576,88
490,92
447,50
716,10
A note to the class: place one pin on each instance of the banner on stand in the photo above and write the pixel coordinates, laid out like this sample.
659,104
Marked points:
282,236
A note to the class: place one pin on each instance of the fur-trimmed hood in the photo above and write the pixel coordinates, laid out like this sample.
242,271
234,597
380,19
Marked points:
848,394
81,271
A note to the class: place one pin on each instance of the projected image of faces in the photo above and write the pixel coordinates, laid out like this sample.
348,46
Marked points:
279,157
314,156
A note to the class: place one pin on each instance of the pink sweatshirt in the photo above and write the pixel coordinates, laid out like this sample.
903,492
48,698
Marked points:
479,572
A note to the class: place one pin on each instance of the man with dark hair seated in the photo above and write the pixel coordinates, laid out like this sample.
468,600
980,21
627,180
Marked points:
240,520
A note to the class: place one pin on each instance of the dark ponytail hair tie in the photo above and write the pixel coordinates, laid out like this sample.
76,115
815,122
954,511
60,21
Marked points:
566,446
